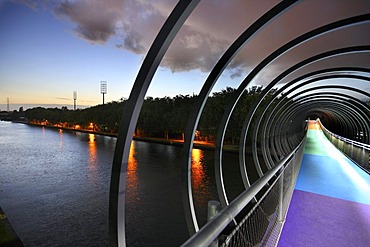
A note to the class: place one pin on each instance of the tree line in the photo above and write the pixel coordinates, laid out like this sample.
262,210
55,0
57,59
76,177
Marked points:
164,117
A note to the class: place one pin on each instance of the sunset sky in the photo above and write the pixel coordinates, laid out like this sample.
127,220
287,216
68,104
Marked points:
48,49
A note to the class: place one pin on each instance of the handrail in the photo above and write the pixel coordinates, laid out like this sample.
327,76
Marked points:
208,233
356,151
358,144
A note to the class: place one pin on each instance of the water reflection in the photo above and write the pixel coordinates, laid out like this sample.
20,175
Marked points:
197,170
132,179
61,138
92,152
91,138
199,178
69,205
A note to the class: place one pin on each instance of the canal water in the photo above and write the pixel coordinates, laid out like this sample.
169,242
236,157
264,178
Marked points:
54,187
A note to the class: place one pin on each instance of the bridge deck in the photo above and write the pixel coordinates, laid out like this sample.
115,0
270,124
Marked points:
331,201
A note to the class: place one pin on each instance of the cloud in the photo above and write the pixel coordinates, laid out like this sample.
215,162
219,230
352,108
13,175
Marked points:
132,42
30,3
140,23
135,24
61,98
236,72
193,51
96,21
210,30
33,4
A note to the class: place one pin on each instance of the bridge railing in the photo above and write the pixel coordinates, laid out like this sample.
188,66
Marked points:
264,206
356,151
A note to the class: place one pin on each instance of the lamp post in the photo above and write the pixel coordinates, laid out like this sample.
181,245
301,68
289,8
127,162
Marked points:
74,99
103,88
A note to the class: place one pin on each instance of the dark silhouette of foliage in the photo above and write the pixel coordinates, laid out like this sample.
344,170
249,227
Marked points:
160,117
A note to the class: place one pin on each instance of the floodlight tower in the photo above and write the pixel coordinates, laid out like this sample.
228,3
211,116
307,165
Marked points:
103,88
74,99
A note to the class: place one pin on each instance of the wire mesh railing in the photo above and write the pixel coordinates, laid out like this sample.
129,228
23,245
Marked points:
356,151
263,224
258,225
269,198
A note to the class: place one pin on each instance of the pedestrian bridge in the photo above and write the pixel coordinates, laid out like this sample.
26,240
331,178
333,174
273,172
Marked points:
331,203
321,201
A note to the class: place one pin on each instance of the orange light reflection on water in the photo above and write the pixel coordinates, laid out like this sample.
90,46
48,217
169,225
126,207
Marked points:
92,152
197,169
61,138
132,179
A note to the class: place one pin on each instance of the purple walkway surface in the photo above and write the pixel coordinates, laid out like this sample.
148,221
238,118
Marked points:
325,221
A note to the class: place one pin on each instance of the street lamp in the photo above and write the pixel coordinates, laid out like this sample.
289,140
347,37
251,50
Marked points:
74,99
103,88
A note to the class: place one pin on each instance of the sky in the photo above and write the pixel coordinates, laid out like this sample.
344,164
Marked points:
48,49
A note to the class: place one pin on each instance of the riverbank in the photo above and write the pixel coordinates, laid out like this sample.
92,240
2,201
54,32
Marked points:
8,237
174,142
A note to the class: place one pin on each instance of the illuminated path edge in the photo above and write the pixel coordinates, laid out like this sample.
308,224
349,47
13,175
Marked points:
331,201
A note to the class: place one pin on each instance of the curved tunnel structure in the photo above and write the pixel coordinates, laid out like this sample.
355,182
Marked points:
276,122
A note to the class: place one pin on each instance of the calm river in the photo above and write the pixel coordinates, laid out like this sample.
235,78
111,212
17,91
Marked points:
54,187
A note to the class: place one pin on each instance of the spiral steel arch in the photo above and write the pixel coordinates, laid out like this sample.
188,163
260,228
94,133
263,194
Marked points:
277,93
202,98
333,86
264,145
237,94
268,120
255,132
342,115
345,110
359,122
348,109
359,103
161,43
276,81
272,99
328,77
360,106
280,77
306,107
287,113
131,112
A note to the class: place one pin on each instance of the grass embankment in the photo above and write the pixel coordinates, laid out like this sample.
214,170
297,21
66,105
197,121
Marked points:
8,237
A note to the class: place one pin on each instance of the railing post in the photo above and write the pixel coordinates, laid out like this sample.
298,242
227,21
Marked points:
294,167
214,207
281,196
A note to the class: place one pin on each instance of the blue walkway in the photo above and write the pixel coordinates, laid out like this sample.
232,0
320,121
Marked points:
331,201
